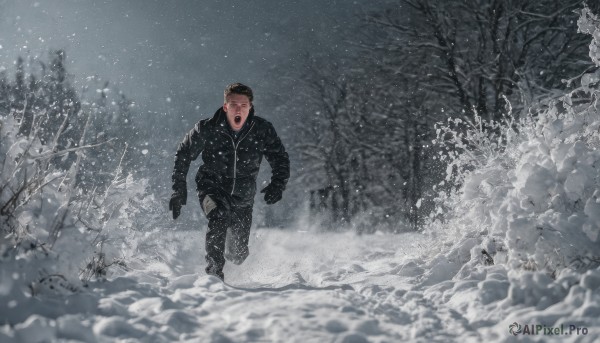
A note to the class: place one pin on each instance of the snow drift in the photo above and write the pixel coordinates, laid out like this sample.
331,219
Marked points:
526,213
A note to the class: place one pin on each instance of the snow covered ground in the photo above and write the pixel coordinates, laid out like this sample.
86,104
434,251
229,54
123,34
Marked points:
307,287
295,286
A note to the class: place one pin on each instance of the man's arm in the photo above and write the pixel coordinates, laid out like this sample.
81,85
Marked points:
188,150
278,159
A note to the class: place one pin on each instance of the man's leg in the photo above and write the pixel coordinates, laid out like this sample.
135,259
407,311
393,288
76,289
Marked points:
238,235
215,246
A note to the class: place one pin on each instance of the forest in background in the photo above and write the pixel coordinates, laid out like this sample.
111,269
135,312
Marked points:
366,122
369,119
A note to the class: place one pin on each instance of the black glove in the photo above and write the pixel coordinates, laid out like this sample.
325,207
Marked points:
178,199
273,193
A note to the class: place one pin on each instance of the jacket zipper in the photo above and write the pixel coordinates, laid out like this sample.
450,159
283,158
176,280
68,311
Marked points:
235,146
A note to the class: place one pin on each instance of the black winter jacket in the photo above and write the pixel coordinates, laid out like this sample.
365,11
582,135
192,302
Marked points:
230,167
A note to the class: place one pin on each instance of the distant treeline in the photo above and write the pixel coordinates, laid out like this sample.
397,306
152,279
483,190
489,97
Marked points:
365,140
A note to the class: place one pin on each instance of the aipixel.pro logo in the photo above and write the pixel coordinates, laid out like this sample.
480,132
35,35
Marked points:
538,329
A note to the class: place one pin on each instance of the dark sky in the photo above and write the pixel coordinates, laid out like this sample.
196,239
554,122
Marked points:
179,49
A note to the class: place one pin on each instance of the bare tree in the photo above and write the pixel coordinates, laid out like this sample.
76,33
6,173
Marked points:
480,51
350,146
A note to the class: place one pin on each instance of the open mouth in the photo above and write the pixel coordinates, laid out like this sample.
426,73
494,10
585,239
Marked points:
237,119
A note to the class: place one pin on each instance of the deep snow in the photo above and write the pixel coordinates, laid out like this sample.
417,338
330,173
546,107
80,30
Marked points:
295,286
307,287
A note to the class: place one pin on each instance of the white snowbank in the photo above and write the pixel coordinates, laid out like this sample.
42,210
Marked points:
531,207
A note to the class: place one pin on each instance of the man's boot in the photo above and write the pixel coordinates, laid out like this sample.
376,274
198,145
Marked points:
218,273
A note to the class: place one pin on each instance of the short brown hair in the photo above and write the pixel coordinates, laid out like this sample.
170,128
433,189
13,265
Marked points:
238,88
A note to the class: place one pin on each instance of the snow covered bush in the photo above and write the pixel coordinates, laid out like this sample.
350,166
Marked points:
53,233
117,219
33,199
528,189
589,23
24,175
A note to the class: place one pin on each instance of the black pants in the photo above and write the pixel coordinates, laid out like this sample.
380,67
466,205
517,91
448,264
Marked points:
227,238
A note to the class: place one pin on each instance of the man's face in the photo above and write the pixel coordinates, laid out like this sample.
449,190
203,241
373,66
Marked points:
237,108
